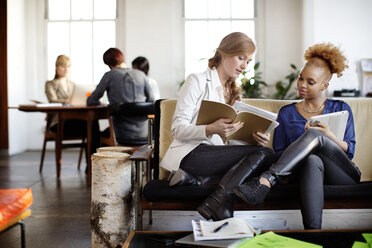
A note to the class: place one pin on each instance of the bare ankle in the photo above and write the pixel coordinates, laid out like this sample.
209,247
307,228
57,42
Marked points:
264,181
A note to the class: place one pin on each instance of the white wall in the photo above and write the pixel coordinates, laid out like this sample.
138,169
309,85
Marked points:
26,72
154,29
16,75
279,38
345,23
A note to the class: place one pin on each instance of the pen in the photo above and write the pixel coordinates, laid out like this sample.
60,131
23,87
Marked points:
220,227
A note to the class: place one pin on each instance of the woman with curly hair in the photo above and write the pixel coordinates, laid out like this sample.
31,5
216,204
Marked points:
197,155
314,154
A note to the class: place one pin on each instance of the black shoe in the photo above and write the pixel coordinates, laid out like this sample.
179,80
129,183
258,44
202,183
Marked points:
252,192
218,206
171,175
182,178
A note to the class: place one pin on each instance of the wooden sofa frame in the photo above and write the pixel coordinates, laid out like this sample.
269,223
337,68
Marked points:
151,155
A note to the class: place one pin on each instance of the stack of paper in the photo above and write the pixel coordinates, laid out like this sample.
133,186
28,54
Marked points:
235,229
55,104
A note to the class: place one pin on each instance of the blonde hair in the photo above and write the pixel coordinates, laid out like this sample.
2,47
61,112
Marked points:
328,53
62,60
236,43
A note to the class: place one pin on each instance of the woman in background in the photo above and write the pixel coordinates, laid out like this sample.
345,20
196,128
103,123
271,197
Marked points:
313,154
142,64
124,85
59,90
197,154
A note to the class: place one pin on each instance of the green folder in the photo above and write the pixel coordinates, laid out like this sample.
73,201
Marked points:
270,239
368,238
358,244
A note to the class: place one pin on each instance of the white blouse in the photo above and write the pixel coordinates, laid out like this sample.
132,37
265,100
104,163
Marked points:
187,135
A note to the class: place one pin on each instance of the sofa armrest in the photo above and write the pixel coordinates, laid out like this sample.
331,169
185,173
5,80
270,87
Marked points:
143,153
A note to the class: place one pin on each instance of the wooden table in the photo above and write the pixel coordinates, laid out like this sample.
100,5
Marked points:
87,113
327,238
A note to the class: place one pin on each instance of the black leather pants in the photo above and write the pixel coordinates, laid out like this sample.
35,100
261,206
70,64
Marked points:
318,161
311,142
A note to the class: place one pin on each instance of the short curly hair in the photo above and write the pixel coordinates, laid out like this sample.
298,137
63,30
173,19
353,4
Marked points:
330,54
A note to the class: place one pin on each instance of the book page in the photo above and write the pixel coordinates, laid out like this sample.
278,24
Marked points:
234,226
237,228
211,111
52,104
335,121
240,106
252,124
255,119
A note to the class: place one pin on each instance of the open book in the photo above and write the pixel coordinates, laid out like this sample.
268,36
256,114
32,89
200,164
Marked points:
255,119
235,229
336,122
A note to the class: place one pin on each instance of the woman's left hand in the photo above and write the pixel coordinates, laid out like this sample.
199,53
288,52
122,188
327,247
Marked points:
325,129
261,138
320,127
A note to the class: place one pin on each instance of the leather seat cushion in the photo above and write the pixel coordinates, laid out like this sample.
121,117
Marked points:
159,190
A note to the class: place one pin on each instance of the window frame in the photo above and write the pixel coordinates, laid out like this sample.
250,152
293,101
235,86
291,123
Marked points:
229,19
69,21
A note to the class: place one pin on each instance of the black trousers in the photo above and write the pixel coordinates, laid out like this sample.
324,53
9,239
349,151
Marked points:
215,160
317,160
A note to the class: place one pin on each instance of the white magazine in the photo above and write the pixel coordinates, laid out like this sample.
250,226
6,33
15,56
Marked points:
236,229
336,122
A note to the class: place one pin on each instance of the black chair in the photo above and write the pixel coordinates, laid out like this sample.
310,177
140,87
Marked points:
51,136
134,109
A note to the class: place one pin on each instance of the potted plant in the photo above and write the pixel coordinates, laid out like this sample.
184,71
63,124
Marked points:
283,88
252,86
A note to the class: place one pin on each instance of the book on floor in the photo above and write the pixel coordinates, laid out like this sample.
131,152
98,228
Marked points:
255,119
336,122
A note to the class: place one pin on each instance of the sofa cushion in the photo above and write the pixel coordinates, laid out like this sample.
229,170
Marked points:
159,190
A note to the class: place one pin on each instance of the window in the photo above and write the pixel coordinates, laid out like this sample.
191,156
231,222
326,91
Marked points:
82,30
207,22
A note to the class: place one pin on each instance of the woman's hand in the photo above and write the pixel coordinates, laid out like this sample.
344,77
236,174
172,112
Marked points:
223,127
261,138
320,127
325,129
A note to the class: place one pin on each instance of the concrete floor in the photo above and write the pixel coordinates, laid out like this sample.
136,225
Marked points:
60,212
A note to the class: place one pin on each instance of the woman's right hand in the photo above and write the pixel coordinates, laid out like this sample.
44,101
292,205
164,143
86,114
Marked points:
223,127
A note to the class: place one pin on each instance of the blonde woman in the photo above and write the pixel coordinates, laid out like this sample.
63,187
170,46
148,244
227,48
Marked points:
198,156
313,154
59,90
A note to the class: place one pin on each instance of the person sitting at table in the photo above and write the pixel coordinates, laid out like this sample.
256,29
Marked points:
142,64
124,85
59,90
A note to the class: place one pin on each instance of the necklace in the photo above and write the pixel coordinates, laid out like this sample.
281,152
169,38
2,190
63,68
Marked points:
312,111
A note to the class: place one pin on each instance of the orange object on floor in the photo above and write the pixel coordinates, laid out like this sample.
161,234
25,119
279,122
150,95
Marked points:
13,202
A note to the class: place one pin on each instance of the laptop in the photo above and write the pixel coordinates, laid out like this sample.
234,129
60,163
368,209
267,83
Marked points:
80,94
